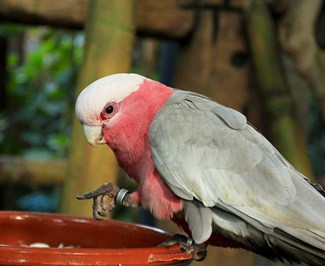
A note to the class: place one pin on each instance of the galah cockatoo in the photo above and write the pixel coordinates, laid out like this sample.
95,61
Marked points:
202,165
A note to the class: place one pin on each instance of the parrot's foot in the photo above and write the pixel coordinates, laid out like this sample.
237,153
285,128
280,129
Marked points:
198,251
105,198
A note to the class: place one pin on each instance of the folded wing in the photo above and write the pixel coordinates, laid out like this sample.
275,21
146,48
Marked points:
208,153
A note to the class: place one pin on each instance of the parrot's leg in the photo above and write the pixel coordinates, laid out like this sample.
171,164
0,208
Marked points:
198,251
105,198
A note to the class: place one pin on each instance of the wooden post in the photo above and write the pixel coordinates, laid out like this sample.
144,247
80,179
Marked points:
108,49
214,60
284,130
297,37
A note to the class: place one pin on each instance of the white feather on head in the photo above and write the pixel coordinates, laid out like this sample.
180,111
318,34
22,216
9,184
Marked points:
112,88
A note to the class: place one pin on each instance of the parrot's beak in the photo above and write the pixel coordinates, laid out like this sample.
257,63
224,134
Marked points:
94,134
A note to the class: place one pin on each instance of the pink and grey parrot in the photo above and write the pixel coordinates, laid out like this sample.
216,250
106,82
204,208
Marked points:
204,166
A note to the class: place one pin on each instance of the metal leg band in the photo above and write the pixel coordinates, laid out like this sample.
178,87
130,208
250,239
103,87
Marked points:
120,196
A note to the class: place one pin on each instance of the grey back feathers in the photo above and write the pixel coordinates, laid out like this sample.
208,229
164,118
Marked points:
239,183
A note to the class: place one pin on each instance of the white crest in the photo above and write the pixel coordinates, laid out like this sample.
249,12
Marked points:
114,88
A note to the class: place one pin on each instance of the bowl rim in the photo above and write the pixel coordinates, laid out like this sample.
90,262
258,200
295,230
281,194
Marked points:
12,253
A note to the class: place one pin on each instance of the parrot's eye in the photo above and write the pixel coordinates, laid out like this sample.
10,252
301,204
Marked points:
109,109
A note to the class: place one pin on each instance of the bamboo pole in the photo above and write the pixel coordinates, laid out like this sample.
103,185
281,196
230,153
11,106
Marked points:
284,130
108,49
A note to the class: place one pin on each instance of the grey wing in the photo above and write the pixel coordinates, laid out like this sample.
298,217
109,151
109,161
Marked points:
207,152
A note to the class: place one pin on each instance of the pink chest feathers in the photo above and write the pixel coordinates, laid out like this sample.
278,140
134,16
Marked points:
128,135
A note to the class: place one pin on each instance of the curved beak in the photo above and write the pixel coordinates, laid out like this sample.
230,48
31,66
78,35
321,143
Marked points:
94,134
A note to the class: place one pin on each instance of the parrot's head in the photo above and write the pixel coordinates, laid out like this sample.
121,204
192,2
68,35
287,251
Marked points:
119,107
99,102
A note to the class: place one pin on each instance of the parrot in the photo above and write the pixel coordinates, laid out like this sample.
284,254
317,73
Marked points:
205,167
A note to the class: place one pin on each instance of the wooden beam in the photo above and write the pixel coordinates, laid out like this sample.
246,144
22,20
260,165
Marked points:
62,13
153,18
110,36
163,19
229,5
28,171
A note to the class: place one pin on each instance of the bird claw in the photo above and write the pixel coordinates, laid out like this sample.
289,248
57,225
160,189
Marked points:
198,251
106,197
103,199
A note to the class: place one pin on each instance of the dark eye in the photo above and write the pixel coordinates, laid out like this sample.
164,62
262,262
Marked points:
109,109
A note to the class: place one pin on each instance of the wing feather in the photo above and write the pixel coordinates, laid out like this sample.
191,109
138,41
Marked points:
208,152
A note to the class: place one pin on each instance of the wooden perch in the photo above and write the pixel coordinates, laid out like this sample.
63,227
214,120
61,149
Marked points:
28,171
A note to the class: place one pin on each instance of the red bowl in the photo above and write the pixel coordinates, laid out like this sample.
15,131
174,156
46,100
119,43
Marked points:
86,241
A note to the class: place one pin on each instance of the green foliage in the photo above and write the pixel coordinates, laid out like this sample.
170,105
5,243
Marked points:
40,93
10,30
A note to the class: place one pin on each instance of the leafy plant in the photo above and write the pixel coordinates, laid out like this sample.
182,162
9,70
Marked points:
40,93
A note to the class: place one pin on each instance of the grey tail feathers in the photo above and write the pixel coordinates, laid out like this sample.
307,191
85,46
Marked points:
280,250
319,188
274,244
